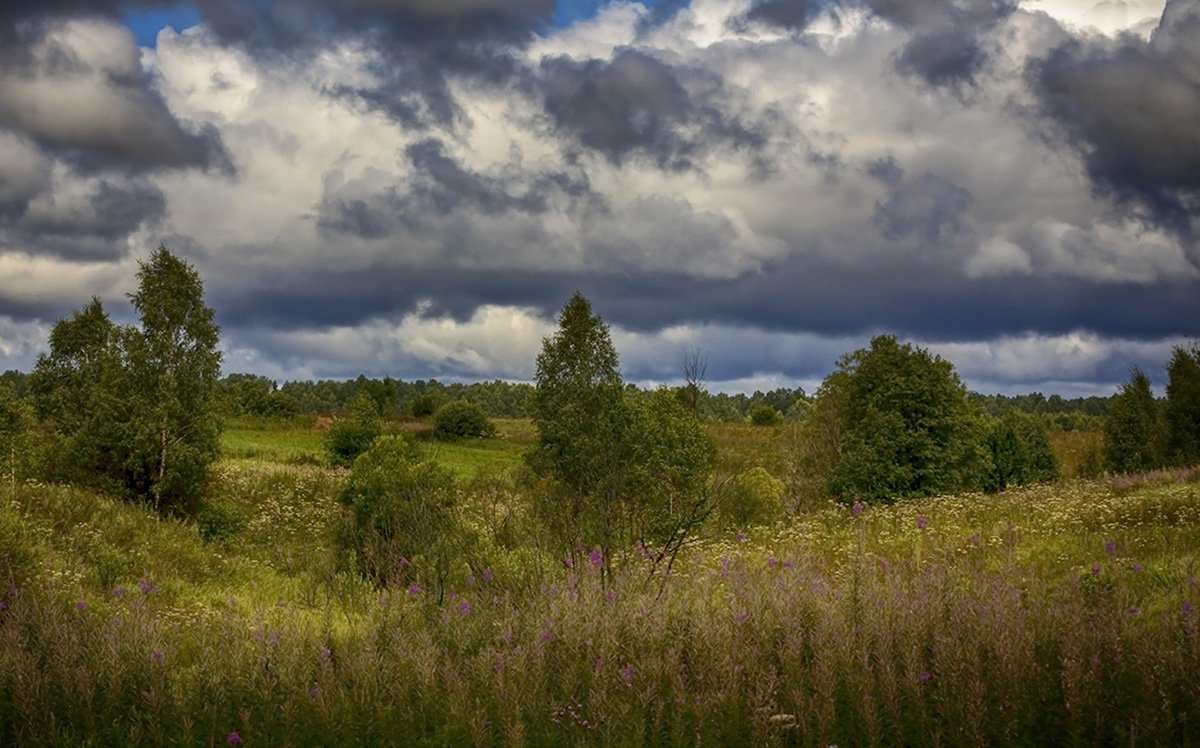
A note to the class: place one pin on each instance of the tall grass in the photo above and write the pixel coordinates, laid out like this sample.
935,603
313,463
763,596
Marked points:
1052,616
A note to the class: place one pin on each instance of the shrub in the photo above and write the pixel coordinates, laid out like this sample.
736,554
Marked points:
765,415
1133,434
752,497
403,523
460,419
349,437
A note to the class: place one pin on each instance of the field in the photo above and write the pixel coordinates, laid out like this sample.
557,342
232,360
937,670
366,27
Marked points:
1057,615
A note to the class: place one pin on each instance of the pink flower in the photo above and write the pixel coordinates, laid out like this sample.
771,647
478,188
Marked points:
568,562
414,589
1188,609
1110,546
628,675
487,575
158,655
857,508
81,605
464,608
610,595
148,587
1137,568
315,691
548,636
596,557
772,562
119,591
1134,611
925,676
326,653
921,522
975,539
741,536
234,738
741,617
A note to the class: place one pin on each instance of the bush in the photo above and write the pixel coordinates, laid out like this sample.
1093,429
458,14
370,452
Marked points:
1133,434
752,497
460,419
403,525
765,415
350,437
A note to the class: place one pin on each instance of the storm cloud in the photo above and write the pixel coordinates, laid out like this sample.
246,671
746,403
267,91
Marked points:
413,188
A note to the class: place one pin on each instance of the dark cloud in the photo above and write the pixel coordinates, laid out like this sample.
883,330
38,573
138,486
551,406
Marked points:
789,14
1133,108
943,58
440,186
925,213
83,96
635,104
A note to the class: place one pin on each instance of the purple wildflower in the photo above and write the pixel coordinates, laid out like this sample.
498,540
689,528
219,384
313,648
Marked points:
628,675
234,738
1096,570
857,508
975,539
315,691
772,562
414,589
568,562
925,676
326,653
921,522
741,617
1137,568
383,601
1188,609
119,591
81,605
596,557
13,592
548,636
1110,546
788,564
884,565
487,575
148,587
157,655
1095,660
464,608
3,607
741,536
1134,611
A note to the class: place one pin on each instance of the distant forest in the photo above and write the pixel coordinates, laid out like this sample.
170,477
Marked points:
254,395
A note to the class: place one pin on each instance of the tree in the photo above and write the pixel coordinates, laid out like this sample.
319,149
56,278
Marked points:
617,467
1183,406
16,424
134,408
910,430
1020,452
694,367
1133,432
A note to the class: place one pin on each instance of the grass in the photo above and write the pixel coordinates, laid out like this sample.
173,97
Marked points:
1056,615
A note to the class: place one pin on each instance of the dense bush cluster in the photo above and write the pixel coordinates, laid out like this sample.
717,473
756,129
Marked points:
460,419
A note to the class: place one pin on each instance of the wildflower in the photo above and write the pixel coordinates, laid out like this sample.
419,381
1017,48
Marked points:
272,637
741,617
3,607
487,575
464,608
568,562
596,557
383,602
628,675
148,587
403,561
315,691
326,653
788,564
884,565
1096,570
262,661
470,580
857,508
925,676
119,591
498,666
234,738
1095,660
1110,546
772,562
13,592
157,655
414,589
741,536
1118,657
1134,611
974,539
1137,568
282,604
547,636
81,605
610,595
1188,609
921,522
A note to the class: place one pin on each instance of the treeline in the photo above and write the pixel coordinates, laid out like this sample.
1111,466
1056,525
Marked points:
1144,433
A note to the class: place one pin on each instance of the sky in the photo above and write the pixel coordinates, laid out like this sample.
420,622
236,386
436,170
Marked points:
414,188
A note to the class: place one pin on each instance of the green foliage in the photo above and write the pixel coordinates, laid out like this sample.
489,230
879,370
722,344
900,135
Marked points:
1133,433
19,551
909,428
752,497
252,395
1020,453
350,437
1183,406
404,523
134,408
459,419
16,435
617,466
765,415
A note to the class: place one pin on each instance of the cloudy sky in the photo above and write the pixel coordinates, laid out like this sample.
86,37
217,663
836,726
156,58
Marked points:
415,187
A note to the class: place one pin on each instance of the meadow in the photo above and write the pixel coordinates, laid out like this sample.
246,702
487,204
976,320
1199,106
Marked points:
1061,614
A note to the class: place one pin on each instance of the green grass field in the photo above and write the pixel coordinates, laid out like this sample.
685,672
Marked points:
1056,615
